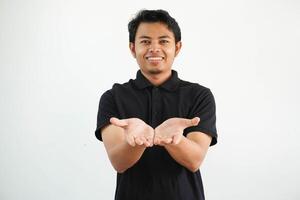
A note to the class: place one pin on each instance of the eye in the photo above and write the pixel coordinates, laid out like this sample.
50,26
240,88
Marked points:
164,41
145,41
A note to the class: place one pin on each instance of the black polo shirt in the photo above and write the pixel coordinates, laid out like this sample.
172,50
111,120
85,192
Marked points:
157,176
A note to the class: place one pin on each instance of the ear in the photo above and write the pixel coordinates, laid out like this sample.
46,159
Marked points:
177,47
132,49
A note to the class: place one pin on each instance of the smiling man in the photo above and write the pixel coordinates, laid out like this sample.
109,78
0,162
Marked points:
157,128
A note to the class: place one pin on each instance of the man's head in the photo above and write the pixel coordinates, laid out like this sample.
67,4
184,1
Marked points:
152,16
154,40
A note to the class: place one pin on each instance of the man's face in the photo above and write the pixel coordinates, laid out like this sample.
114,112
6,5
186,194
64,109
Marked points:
154,48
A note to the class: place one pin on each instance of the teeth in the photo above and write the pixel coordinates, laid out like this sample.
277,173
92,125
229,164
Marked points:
154,58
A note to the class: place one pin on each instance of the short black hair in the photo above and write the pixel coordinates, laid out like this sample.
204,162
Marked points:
152,16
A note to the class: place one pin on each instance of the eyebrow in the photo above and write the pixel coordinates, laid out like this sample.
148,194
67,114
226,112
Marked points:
160,37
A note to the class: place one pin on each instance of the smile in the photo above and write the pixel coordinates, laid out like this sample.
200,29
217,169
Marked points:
154,58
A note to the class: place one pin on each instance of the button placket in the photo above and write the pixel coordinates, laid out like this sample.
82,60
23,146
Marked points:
155,104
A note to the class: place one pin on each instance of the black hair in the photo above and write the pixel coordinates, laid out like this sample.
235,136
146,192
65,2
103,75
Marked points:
152,16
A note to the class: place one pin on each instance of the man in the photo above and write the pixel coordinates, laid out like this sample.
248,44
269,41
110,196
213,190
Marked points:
157,128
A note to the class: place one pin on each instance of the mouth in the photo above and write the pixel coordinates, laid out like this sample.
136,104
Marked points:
154,58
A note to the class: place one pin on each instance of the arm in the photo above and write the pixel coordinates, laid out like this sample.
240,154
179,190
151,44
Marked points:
121,155
125,141
188,151
191,150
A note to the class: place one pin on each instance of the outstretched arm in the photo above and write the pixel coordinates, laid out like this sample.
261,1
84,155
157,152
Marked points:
191,150
188,151
125,141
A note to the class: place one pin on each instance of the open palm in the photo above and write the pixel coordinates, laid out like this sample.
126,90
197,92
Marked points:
171,130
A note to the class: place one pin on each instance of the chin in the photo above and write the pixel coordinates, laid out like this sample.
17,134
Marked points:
155,71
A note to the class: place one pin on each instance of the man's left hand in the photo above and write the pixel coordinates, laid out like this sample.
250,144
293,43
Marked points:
171,130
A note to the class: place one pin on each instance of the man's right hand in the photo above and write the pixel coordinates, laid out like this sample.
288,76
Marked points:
137,132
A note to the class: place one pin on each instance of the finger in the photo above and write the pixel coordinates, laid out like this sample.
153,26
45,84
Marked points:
161,143
130,140
147,144
150,142
145,141
138,141
167,140
195,121
117,122
176,139
190,122
156,140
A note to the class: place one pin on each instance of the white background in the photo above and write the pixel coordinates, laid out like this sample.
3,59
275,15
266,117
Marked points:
58,57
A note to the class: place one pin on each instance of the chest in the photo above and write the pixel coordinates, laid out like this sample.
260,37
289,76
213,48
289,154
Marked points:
153,105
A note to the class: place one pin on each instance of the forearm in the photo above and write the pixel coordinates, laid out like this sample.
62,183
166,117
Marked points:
187,153
124,156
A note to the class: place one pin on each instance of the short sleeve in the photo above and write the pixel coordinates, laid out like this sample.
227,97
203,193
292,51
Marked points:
204,107
107,109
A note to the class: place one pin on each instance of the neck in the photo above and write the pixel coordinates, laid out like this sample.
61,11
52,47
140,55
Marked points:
157,79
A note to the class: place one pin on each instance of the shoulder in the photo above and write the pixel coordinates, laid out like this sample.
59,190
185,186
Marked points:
118,88
123,86
195,88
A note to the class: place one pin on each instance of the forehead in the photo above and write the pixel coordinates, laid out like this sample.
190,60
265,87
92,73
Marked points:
153,30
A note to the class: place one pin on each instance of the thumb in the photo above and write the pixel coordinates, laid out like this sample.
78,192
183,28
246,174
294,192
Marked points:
191,122
118,122
195,121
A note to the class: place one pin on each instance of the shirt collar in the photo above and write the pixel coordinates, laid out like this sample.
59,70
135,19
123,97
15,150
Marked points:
171,84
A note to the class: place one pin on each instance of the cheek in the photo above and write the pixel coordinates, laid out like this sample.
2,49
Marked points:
140,52
171,52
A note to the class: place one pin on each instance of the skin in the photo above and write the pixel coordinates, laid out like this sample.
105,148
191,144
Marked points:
136,131
125,140
155,40
170,131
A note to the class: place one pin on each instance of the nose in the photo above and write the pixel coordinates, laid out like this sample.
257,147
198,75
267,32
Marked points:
154,47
